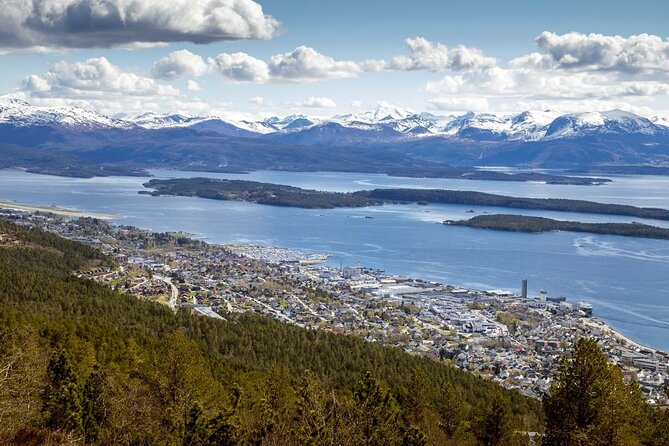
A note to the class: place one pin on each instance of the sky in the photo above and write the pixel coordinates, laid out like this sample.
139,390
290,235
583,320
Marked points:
321,57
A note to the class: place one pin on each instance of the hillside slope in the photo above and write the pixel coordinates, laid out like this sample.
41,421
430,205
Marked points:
85,364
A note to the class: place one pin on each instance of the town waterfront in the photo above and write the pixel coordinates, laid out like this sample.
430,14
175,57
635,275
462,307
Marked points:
626,279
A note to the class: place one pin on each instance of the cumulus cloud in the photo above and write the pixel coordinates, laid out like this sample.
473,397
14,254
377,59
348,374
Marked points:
303,64
573,68
43,24
260,101
306,64
459,104
241,67
92,78
179,63
633,54
429,56
192,85
315,102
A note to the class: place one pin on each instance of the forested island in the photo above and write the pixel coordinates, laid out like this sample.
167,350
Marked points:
281,195
524,223
261,193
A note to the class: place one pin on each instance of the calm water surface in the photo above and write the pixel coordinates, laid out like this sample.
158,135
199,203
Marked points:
626,279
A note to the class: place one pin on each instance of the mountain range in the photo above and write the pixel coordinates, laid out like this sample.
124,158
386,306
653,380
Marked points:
376,141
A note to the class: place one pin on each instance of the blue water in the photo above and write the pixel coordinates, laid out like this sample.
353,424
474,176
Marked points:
626,279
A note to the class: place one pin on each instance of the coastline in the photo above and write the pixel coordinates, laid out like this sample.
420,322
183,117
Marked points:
480,328
596,322
26,207
592,322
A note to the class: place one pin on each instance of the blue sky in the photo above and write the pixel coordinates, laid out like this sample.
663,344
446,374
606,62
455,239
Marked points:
593,55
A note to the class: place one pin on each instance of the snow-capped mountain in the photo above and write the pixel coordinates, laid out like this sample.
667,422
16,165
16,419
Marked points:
19,113
385,124
290,123
368,141
610,122
152,120
662,121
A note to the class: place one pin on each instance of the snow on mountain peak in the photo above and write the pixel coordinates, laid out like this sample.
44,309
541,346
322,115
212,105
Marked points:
21,114
384,123
608,122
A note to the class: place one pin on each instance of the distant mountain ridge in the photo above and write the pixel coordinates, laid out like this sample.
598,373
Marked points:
389,123
382,140
396,124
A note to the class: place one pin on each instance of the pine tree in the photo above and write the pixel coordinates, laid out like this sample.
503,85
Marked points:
493,426
590,403
197,430
314,418
62,398
451,411
93,410
377,412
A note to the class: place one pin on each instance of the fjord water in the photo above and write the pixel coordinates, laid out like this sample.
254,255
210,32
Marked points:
627,279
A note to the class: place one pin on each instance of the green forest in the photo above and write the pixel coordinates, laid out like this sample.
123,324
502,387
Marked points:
81,364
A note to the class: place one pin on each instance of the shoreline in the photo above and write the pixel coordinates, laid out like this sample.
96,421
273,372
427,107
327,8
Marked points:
597,322
593,322
26,207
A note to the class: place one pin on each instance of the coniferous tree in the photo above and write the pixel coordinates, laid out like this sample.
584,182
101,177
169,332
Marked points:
314,413
62,398
197,430
591,404
377,412
93,410
451,410
493,426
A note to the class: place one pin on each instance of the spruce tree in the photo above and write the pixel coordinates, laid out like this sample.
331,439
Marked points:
62,398
591,404
377,412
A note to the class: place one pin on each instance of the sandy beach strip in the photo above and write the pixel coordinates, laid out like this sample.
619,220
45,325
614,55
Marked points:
15,206
598,323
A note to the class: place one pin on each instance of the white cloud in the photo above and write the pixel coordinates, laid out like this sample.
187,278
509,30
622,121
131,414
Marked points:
633,54
306,64
179,63
303,64
428,56
459,104
260,101
573,69
356,104
43,24
314,102
192,85
98,84
241,67
92,78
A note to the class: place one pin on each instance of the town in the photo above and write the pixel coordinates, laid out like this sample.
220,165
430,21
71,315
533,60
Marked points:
515,340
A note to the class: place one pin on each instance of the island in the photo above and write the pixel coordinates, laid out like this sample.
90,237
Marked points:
261,193
282,195
524,223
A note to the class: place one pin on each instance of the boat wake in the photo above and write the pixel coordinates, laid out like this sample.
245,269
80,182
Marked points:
591,246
